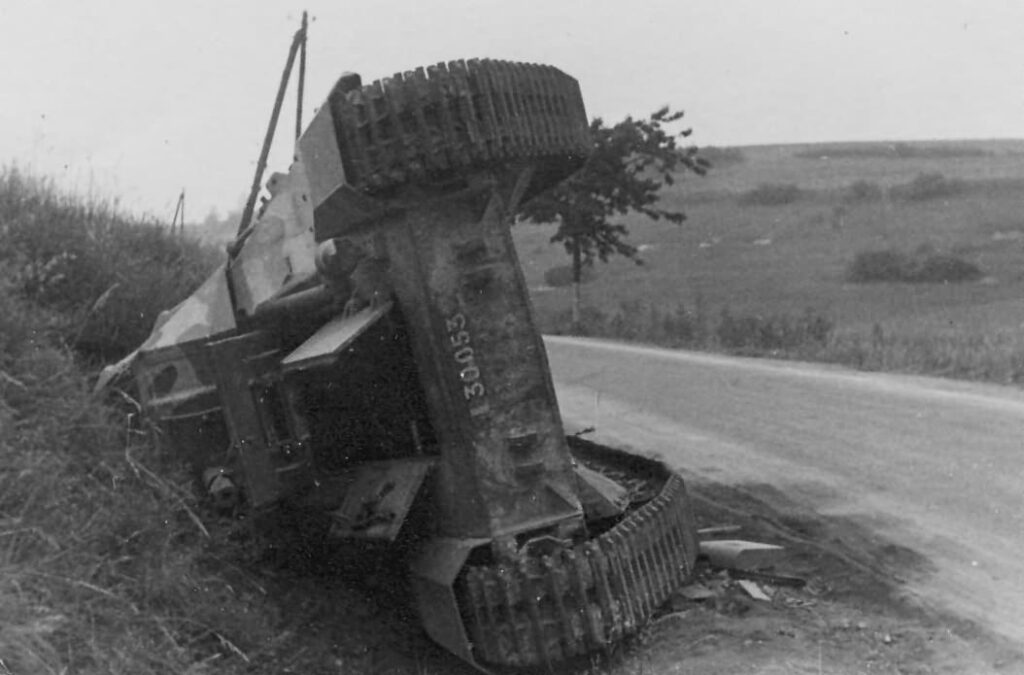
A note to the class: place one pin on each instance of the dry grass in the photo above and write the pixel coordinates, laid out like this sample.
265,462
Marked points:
103,568
108,274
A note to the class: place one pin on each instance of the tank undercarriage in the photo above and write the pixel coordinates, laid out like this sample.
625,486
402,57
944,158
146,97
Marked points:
370,349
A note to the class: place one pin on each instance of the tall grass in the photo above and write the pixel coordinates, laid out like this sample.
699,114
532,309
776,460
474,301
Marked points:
105,566
107,273
996,356
803,335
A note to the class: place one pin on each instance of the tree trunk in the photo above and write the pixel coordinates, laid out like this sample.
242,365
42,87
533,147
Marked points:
577,274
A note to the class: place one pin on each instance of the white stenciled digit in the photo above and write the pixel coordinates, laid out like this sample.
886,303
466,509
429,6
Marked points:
456,322
464,356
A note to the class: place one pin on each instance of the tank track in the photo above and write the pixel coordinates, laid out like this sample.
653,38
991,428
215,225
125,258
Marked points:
454,118
542,611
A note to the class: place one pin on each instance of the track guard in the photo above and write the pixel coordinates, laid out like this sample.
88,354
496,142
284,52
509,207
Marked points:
433,576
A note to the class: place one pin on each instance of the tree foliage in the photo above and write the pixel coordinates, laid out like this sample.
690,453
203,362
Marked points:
631,162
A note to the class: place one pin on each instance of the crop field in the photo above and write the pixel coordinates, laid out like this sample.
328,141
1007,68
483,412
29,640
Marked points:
774,232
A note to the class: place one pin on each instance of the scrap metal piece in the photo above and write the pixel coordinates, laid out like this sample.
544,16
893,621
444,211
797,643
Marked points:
601,497
753,590
378,498
739,554
324,346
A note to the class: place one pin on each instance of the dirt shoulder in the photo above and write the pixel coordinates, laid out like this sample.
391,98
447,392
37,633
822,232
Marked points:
852,616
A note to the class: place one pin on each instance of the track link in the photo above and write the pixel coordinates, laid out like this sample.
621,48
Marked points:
543,610
453,118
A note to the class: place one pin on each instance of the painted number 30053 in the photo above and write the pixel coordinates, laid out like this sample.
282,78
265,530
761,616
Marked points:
465,360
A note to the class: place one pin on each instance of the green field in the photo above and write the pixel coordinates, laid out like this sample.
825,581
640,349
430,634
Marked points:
790,258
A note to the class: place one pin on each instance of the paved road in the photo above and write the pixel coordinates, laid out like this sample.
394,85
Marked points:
933,465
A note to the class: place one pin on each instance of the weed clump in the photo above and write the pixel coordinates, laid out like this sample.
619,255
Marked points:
922,267
771,194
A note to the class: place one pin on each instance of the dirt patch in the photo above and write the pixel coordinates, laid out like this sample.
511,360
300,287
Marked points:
851,617
345,613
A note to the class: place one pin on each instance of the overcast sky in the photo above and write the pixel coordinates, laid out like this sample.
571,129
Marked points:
137,99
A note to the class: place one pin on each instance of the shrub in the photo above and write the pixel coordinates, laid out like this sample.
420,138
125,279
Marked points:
873,266
862,191
771,194
941,268
925,266
927,186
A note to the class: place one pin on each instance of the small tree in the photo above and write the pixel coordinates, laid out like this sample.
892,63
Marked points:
630,164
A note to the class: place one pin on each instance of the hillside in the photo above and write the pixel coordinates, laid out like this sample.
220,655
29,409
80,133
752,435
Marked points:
772,238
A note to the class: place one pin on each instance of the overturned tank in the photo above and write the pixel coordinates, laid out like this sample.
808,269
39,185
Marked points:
369,351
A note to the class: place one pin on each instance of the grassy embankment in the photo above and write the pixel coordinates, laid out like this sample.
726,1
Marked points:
104,566
772,261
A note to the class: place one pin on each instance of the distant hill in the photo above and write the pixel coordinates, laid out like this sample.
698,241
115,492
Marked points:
823,166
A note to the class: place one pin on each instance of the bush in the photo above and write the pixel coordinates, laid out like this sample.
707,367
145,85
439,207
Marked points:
925,266
862,191
875,266
927,186
771,194
940,268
